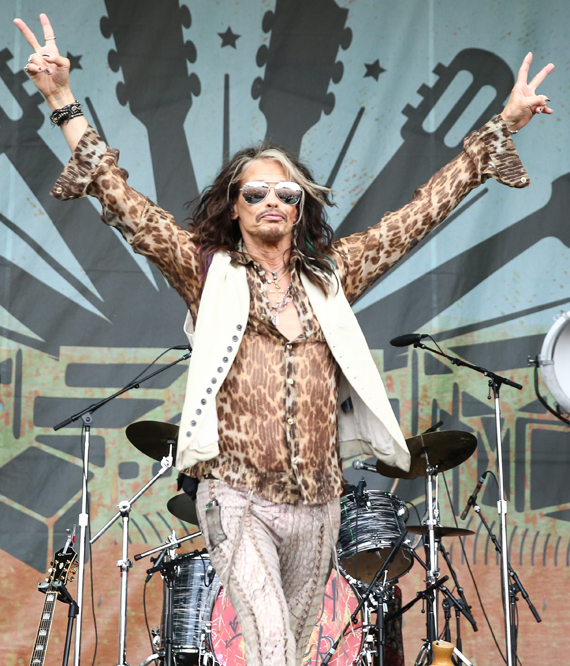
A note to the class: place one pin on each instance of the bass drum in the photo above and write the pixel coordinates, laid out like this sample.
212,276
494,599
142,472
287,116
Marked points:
339,602
368,530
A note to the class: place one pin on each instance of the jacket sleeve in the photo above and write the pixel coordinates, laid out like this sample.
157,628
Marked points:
487,153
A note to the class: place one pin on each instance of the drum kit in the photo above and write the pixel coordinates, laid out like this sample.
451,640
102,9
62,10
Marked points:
199,626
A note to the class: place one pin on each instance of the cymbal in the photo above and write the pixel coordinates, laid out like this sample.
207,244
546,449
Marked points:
439,531
153,438
445,450
183,507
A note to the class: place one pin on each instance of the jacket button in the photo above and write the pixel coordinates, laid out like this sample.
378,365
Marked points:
203,401
198,411
192,423
230,349
220,369
239,327
225,359
214,380
208,390
235,338
188,434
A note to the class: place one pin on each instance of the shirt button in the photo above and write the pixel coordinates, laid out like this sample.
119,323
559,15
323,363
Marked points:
262,317
290,381
192,423
58,190
235,338
523,180
290,421
289,346
295,460
203,401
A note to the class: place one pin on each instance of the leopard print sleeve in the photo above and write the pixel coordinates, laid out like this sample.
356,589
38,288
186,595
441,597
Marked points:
488,153
151,231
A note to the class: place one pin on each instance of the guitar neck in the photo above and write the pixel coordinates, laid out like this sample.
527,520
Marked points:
42,637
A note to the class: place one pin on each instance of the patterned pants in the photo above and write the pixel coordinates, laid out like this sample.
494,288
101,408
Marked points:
274,565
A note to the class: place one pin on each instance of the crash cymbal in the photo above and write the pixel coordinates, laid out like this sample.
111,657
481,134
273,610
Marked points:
439,531
183,507
153,438
445,450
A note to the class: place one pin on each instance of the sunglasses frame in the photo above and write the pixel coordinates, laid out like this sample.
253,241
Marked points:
272,185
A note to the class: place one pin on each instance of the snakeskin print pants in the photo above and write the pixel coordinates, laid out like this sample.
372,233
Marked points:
274,561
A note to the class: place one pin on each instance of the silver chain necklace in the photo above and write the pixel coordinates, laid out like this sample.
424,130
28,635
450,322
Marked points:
280,307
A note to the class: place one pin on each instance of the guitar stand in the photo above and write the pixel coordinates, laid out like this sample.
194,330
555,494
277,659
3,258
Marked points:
65,597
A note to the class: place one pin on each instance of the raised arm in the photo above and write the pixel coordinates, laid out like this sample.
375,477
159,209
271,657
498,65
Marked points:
50,73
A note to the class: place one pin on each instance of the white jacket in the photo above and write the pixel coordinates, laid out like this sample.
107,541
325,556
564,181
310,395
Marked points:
369,428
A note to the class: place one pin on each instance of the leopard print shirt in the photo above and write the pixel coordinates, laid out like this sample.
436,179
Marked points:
277,408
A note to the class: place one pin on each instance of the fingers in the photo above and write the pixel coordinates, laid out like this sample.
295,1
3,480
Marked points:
28,34
539,78
523,71
48,30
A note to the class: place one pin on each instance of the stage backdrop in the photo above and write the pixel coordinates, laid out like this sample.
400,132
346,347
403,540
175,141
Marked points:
376,96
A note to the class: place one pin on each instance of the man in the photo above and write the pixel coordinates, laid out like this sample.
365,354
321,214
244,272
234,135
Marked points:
276,345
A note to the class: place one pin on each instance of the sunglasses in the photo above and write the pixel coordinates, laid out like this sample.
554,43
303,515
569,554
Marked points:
256,191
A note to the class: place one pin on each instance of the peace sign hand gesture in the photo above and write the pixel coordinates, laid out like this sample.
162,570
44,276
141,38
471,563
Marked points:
524,103
48,70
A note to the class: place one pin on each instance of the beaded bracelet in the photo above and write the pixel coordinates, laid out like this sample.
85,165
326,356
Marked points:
66,113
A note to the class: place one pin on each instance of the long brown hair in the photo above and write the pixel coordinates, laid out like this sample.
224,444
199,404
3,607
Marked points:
213,229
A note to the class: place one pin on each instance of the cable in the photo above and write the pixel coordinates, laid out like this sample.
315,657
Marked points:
470,571
146,616
151,364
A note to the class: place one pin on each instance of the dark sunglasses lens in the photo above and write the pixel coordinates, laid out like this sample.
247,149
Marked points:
288,195
253,194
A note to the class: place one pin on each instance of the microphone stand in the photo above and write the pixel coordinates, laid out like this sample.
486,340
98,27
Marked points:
86,416
495,383
515,588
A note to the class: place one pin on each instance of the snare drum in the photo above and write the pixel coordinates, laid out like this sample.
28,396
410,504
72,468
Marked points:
195,587
367,532
339,602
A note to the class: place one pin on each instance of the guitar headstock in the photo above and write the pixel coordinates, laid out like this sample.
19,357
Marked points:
62,567
299,66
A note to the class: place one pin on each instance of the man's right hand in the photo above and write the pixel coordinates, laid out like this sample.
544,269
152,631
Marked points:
48,70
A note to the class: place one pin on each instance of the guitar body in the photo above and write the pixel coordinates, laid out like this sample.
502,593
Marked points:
442,651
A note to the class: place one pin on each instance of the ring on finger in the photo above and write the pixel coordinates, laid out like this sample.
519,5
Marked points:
50,38
30,57
26,69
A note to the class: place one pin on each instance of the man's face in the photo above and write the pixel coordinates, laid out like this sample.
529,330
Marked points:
270,220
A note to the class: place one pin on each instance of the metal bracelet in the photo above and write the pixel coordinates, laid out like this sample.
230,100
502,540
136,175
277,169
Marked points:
66,113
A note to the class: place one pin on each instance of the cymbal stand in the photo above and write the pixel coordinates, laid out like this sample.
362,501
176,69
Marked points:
495,382
124,563
86,416
516,587
431,548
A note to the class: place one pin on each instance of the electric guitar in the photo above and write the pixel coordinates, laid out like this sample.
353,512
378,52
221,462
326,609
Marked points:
60,571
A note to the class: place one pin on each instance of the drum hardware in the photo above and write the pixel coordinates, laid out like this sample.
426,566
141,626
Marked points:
86,416
439,531
124,563
494,383
515,587
379,591
153,438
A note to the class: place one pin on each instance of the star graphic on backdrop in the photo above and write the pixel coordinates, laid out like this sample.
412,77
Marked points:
229,38
74,61
374,69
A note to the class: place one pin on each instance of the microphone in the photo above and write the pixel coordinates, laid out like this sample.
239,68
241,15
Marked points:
358,464
408,339
157,565
473,496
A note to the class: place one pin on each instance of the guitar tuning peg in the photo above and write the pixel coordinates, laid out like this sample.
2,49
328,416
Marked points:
346,39
257,88
122,95
328,105
185,16
114,60
190,51
338,71
262,55
195,85
106,27
267,22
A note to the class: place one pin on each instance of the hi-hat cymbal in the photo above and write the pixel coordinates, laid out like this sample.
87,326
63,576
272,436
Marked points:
445,450
439,531
153,438
183,507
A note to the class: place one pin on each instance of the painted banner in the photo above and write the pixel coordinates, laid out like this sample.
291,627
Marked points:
376,96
